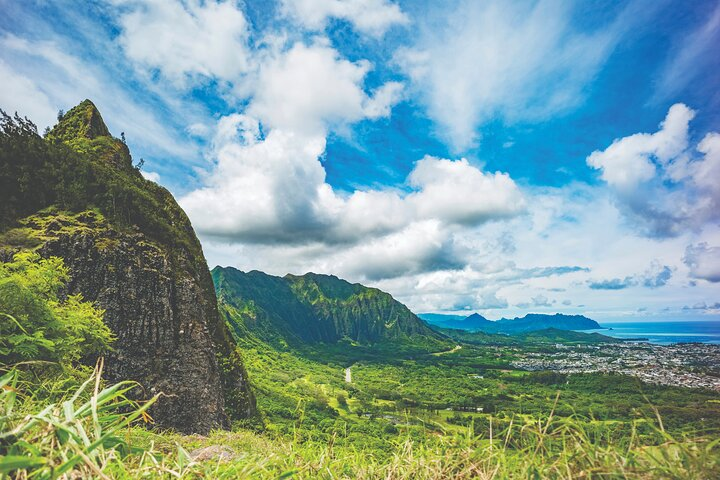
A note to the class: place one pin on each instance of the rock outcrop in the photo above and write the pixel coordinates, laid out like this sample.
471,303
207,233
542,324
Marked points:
131,249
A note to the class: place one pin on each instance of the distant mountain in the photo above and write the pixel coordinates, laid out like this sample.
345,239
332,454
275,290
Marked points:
472,322
537,321
313,308
545,336
566,336
529,323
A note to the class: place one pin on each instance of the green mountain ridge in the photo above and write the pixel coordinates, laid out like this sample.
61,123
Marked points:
313,308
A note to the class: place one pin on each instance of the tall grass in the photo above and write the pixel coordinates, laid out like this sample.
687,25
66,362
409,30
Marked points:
89,433
78,435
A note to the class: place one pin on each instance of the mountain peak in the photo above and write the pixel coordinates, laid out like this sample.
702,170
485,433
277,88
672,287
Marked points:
81,121
83,129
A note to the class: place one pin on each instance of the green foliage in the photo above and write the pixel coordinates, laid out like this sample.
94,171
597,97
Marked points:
37,323
309,309
78,167
81,435
79,180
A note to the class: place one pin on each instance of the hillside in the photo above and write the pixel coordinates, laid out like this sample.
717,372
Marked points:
131,250
311,308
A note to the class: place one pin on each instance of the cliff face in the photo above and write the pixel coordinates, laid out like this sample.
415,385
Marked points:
313,308
131,250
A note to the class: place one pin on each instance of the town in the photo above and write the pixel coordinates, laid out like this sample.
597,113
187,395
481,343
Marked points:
692,365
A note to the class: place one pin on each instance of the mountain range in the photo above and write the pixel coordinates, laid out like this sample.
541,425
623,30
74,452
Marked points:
529,323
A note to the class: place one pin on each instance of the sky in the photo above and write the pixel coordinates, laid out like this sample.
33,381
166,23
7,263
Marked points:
500,157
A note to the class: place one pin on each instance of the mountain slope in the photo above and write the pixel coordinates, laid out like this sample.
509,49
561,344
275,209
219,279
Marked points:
130,249
313,308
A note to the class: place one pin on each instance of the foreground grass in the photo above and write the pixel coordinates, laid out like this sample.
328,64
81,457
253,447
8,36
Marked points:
92,432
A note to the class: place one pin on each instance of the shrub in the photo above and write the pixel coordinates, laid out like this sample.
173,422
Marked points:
38,323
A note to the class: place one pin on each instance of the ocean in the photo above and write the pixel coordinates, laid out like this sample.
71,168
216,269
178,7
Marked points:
664,333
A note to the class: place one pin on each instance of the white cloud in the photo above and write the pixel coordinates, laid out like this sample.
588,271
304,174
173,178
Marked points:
185,40
661,184
630,161
273,189
460,193
64,80
309,88
20,94
372,17
152,176
541,301
703,261
507,60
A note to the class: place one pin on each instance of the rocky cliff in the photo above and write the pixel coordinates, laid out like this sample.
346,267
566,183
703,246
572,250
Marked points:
132,250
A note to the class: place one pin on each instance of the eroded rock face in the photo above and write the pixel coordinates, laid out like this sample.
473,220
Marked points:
130,249
160,309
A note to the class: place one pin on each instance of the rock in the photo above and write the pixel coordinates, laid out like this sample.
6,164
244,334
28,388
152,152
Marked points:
219,453
131,249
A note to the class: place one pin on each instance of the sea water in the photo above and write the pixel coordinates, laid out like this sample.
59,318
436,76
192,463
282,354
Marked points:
665,332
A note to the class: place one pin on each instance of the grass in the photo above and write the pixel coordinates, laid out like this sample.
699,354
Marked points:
93,432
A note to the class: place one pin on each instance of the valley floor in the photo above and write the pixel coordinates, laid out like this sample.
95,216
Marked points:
468,413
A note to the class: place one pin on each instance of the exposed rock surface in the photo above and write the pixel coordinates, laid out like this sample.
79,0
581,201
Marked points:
219,453
133,251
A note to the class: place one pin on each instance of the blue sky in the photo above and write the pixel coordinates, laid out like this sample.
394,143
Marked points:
500,157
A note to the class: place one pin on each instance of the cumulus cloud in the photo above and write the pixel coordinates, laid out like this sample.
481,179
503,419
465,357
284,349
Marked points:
661,184
186,40
492,59
703,261
656,276
703,306
541,301
459,193
272,189
310,87
372,17
613,284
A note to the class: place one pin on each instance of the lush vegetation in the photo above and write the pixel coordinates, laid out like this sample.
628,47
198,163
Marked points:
349,383
405,413
296,310
37,324
78,166
386,423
